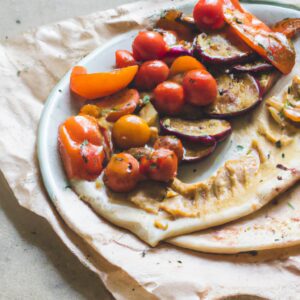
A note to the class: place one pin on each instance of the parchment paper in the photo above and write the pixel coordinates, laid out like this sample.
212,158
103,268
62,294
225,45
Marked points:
30,66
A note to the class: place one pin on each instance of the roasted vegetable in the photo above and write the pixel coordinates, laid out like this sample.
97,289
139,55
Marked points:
272,46
120,104
206,131
97,85
222,47
266,81
195,152
289,27
236,95
184,64
256,66
173,20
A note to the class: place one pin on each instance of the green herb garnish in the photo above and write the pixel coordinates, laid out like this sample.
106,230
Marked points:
146,99
278,144
290,205
240,147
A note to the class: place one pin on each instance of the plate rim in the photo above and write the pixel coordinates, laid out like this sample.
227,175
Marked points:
44,167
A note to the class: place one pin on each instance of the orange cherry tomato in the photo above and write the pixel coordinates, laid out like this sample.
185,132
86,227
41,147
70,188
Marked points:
169,98
172,143
208,14
184,64
292,113
81,146
122,173
149,45
273,46
97,85
150,74
124,59
200,87
130,131
119,104
161,166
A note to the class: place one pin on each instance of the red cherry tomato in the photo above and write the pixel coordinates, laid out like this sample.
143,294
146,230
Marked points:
161,166
124,59
150,74
122,173
169,98
149,45
200,87
208,14
172,143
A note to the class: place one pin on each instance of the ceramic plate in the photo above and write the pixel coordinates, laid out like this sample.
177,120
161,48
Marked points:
60,106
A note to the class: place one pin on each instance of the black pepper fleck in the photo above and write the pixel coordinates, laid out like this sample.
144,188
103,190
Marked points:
18,21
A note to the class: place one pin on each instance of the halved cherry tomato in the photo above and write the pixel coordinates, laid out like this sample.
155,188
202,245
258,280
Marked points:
149,45
161,166
130,131
208,14
124,59
185,63
169,98
289,27
200,87
273,46
119,104
172,143
81,147
90,110
97,85
122,173
150,74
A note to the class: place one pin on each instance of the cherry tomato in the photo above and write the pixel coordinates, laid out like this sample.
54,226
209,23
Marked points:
124,59
150,74
169,98
161,166
200,87
81,146
149,45
171,143
130,131
122,173
208,14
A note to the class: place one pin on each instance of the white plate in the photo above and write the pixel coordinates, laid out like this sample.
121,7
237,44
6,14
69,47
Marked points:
60,106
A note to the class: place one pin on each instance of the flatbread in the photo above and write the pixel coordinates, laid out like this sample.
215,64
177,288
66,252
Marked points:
257,175
237,183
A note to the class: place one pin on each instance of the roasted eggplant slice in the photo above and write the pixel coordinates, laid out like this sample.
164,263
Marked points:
195,152
206,131
221,48
266,81
256,66
179,50
236,95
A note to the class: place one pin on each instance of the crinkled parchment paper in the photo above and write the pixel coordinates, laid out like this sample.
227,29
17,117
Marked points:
30,66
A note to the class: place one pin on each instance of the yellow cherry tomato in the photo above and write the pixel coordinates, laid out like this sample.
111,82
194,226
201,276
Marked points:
130,131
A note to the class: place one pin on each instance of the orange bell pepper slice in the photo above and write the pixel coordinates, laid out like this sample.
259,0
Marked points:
97,85
184,64
289,27
273,46
80,144
292,113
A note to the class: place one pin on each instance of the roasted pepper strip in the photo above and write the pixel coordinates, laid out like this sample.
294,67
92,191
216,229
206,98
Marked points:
81,147
289,27
97,85
273,46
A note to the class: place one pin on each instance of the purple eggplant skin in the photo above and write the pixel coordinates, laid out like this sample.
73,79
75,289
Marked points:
178,50
194,153
183,129
266,81
237,51
255,67
219,110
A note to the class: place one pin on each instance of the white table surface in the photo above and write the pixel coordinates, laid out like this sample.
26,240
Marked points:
34,263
